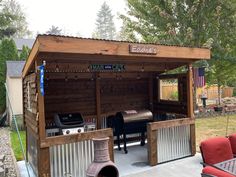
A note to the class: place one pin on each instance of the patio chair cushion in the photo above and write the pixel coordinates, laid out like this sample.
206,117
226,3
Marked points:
232,139
215,150
215,172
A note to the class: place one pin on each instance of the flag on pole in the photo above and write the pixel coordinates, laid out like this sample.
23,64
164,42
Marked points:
199,77
41,69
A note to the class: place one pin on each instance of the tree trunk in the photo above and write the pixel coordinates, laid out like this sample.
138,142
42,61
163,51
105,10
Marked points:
219,95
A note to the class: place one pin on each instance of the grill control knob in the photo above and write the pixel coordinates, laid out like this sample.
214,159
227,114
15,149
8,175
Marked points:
67,131
79,130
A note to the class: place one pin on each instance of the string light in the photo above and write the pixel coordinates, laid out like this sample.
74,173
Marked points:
57,68
142,69
138,76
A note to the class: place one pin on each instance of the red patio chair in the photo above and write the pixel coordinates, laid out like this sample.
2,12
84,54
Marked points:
232,139
209,171
215,150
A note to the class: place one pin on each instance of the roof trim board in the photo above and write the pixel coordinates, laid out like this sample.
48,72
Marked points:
81,46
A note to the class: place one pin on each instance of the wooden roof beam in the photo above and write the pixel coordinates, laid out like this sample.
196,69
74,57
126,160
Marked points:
31,58
102,47
118,51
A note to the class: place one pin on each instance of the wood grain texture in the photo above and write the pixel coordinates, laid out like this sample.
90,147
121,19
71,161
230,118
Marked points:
190,91
63,96
40,104
44,162
57,45
190,109
32,56
30,113
65,139
152,145
98,101
101,47
171,123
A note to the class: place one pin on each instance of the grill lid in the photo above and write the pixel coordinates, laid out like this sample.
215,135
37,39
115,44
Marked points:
133,115
68,120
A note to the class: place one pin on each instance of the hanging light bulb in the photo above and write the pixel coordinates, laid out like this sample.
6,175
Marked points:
98,77
142,69
88,69
138,76
76,77
57,68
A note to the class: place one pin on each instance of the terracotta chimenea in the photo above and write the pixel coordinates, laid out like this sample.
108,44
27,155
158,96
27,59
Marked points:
102,166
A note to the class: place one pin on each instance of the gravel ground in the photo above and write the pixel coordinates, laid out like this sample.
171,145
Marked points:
5,149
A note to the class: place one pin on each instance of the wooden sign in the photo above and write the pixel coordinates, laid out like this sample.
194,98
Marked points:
142,49
107,67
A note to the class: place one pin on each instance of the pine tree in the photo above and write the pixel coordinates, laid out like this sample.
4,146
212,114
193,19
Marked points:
24,53
105,27
55,30
184,22
8,51
12,20
126,33
19,23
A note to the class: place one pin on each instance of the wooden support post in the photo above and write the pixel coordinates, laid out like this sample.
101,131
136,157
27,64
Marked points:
41,111
43,154
98,101
152,145
111,145
43,162
150,85
190,91
159,90
190,108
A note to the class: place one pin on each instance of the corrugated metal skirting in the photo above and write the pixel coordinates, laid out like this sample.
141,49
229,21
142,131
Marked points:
71,160
173,143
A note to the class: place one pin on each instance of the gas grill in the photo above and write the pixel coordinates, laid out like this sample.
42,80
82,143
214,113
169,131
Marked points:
130,122
69,123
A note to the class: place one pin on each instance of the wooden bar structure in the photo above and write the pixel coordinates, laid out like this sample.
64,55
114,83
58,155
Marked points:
99,78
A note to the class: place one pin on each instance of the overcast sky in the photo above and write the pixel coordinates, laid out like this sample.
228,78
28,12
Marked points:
72,16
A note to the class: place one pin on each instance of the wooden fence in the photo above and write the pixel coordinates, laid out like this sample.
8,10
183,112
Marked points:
212,92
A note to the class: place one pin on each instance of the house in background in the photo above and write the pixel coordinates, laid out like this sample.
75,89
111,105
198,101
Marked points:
20,42
14,85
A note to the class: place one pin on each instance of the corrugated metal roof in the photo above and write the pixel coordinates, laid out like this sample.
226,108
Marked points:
14,68
20,42
119,41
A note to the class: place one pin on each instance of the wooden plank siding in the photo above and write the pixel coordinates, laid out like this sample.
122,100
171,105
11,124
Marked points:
30,114
80,96
63,96
120,95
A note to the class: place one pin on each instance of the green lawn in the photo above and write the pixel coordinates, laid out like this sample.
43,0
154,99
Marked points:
212,127
16,144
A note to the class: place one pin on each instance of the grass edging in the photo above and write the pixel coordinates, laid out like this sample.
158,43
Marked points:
15,144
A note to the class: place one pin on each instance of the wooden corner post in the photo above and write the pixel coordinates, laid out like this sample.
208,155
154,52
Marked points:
152,145
190,108
43,153
98,101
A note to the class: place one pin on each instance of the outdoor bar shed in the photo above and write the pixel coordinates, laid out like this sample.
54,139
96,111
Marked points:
89,80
